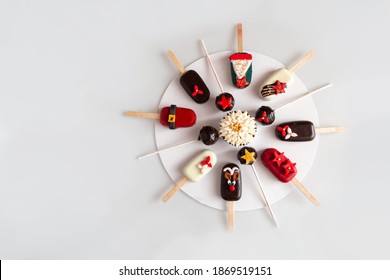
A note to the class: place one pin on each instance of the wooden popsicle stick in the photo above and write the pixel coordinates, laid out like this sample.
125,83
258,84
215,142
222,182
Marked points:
142,115
304,95
176,62
177,187
333,129
231,215
302,61
211,65
239,38
167,148
305,191
265,197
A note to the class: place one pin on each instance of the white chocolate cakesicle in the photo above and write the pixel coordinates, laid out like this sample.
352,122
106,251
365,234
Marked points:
275,83
199,166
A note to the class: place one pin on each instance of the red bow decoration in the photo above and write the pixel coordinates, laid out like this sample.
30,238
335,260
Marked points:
206,162
263,117
282,130
196,91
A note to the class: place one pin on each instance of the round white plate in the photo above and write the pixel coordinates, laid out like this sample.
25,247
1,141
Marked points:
207,191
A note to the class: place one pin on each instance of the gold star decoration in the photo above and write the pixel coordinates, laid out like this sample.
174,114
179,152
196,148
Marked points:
249,157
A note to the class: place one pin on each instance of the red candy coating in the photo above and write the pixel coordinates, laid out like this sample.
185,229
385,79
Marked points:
184,117
279,165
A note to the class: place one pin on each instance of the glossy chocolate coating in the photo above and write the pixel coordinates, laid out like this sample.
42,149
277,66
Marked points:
231,183
208,135
247,155
265,115
224,102
295,131
195,87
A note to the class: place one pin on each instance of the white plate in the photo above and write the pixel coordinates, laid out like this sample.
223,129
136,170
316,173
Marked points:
207,191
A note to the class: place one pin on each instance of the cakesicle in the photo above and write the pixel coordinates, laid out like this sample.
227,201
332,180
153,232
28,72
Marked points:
231,189
241,63
298,131
191,82
172,116
277,81
284,170
195,170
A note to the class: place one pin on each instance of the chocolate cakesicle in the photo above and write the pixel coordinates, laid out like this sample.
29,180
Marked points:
284,170
224,101
194,171
191,82
231,188
299,131
277,81
172,116
208,135
241,63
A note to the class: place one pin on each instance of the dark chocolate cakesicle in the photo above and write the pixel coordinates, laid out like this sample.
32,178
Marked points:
300,131
231,184
231,188
191,82
296,131
195,87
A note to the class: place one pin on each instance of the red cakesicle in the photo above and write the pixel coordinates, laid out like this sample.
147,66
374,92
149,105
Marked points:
173,117
183,117
283,169
279,165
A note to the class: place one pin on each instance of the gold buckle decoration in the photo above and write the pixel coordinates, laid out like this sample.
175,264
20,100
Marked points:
171,118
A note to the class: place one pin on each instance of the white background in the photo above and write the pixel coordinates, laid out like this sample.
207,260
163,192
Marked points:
70,184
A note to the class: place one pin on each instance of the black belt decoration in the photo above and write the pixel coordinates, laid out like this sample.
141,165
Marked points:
172,117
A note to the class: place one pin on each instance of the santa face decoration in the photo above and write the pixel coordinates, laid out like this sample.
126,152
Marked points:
241,69
231,184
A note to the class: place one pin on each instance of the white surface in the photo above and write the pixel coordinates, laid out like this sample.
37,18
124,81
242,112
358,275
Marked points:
207,191
70,184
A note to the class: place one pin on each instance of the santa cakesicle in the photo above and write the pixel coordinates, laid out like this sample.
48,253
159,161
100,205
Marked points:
283,169
266,115
248,156
231,189
191,82
194,171
241,63
299,131
277,81
172,117
208,135
224,101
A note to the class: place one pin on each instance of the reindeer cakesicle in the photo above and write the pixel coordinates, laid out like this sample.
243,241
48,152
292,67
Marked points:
231,189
